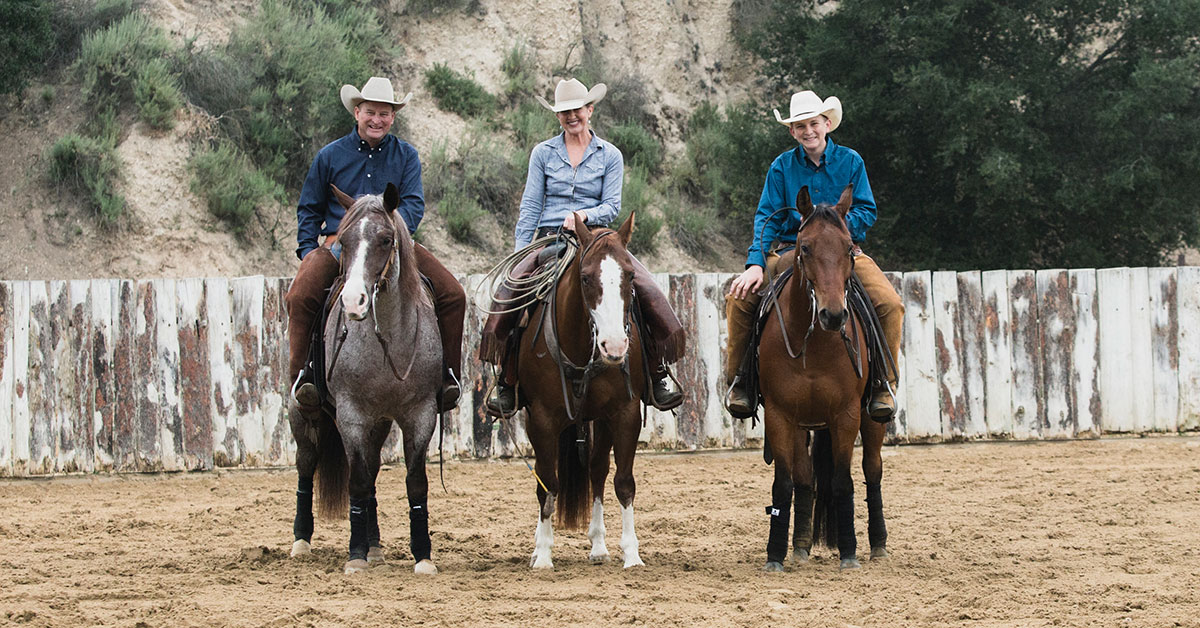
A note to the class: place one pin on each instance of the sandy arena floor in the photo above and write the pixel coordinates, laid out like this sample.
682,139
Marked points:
1090,533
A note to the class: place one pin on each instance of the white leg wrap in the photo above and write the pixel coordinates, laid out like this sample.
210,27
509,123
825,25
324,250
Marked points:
599,551
629,541
543,540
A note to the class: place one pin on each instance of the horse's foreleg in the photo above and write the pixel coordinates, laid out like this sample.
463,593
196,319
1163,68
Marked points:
306,467
624,447
598,469
544,439
363,459
781,435
802,480
873,434
416,482
842,489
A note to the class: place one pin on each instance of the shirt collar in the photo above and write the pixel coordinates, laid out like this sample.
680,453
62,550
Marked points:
561,146
829,156
362,144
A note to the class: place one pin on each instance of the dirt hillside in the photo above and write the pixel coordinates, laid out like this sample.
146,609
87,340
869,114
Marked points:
683,50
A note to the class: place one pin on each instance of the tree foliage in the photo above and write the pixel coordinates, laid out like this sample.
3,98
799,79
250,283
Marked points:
1010,134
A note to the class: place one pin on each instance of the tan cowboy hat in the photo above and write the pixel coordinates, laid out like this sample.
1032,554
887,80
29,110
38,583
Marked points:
377,89
572,94
807,105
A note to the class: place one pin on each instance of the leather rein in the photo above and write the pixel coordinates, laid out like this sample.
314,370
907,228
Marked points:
579,376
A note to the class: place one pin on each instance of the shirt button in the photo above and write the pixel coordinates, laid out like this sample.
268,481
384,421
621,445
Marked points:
368,176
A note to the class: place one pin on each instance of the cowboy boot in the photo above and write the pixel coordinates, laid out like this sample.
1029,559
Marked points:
739,316
883,405
305,299
663,394
502,400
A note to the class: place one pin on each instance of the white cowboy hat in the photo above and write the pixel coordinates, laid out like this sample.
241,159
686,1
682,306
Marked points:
572,94
807,105
377,89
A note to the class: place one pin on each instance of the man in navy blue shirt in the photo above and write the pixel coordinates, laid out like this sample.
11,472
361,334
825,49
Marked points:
360,163
826,169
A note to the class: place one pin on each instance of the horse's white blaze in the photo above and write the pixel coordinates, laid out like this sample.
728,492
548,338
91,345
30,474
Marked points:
543,540
629,542
599,551
354,294
609,313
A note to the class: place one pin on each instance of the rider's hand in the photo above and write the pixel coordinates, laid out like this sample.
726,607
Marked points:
569,221
747,282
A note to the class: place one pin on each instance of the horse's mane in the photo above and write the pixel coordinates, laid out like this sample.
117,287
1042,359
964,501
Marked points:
409,279
824,212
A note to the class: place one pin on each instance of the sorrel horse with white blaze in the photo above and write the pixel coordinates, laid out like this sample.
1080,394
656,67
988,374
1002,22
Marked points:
580,367
818,387
382,362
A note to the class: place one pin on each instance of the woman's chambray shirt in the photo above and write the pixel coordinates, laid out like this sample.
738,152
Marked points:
553,189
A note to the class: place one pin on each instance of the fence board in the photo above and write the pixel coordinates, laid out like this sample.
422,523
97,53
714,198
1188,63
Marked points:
77,445
1188,291
895,428
42,351
477,374
971,326
147,423
1116,377
689,417
1141,350
920,361
1027,397
1085,356
6,378
948,340
195,379
997,353
746,433
227,443
1056,324
661,430
707,349
170,413
1164,350
20,361
248,295
277,433
102,403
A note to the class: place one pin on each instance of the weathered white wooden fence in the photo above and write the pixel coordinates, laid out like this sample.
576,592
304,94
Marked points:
118,375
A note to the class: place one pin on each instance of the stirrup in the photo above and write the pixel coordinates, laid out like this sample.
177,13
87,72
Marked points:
501,402
304,393
738,402
450,392
882,410
662,396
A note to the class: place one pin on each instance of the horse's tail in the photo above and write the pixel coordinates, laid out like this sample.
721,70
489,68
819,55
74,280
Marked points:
333,477
825,523
574,487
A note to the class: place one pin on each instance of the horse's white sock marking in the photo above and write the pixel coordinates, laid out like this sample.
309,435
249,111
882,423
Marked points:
629,541
543,540
599,551
609,313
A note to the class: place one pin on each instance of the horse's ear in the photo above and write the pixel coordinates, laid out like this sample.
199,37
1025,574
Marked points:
625,231
804,203
343,199
845,201
581,229
391,197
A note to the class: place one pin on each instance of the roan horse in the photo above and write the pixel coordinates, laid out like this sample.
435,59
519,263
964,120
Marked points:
818,387
581,370
383,364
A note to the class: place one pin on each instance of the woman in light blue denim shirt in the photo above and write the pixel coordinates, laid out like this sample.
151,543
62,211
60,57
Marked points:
577,171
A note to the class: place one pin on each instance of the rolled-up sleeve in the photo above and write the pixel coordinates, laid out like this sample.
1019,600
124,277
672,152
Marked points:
412,194
610,195
766,222
862,212
310,210
533,201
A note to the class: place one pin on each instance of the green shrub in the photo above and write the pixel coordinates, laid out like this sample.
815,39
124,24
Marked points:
437,170
157,95
232,188
440,7
635,197
461,212
626,101
26,39
486,171
692,226
518,67
638,146
111,60
531,124
90,167
458,93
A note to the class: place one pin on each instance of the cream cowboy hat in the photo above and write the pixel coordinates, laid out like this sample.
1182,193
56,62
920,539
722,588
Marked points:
377,89
573,95
807,105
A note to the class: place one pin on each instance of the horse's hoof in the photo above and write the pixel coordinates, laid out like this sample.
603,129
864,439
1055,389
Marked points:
878,552
773,566
375,556
357,565
599,559
799,556
541,563
849,563
301,548
425,568
635,561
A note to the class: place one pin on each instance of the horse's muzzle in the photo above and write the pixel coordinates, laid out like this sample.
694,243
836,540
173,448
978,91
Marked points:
356,305
831,321
614,352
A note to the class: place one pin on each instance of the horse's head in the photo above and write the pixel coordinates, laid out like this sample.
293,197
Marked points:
825,256
606,281
375,248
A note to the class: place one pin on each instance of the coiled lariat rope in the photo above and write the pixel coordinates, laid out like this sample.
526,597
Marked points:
527,290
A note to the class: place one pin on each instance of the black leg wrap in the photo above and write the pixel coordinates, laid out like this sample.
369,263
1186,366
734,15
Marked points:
876,527
359,513
302,526
418,524
847,545
373,523
777,542
802,537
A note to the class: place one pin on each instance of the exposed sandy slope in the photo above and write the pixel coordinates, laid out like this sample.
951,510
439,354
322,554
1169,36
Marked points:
1089,533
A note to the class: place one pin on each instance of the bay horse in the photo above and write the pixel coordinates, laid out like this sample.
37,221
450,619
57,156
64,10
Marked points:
382,362
581,370
820,387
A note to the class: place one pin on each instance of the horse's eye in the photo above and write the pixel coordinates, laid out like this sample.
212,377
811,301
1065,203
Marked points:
804,250
585,280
